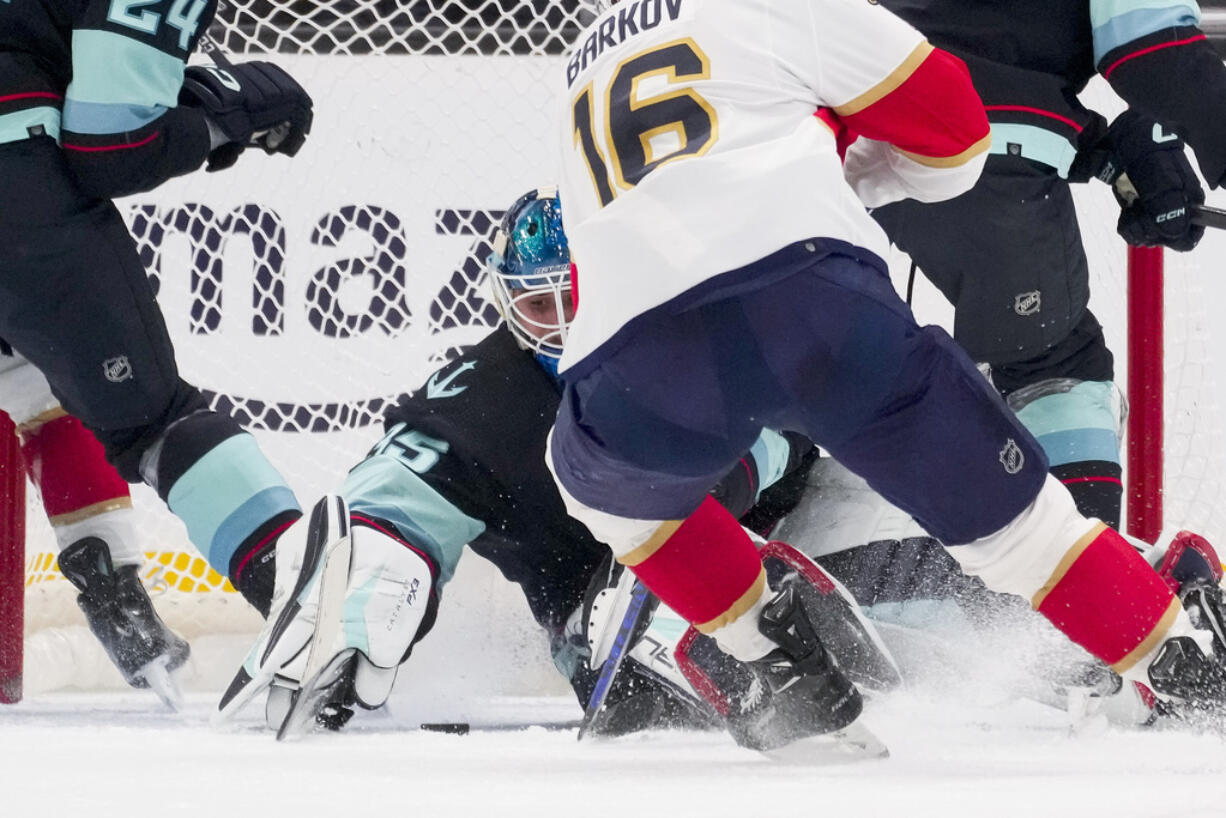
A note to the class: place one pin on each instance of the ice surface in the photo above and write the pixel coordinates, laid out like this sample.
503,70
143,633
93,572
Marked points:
121,754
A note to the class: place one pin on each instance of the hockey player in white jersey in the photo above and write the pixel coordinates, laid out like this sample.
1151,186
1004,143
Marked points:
740,284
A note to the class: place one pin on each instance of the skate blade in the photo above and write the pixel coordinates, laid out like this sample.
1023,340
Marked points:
162,682
313,695
853,743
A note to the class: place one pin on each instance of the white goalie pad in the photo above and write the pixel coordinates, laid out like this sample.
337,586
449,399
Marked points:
839,511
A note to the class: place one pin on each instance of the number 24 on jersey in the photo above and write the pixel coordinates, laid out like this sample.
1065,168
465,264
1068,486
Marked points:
183,15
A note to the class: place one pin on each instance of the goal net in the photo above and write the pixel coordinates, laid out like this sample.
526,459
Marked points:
303,295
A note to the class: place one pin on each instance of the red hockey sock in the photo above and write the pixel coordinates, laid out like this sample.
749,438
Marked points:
66,462
1105,597
705,567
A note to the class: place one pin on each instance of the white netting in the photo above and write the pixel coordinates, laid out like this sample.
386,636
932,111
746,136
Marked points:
305,294
431,27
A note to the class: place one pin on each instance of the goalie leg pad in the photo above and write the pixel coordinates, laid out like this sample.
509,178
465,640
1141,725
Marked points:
388,602
391,602
1190,560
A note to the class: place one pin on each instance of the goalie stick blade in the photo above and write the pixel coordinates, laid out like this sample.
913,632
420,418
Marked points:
642,603
855,742
1207,216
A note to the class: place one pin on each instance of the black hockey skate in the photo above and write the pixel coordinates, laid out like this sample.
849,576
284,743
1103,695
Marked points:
793,704
796,691
1192,683
851,640
121,615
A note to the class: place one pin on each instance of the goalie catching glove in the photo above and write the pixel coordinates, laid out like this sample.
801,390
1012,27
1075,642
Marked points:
252,103
351,599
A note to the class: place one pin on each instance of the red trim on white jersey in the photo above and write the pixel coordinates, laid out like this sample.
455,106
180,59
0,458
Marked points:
932,113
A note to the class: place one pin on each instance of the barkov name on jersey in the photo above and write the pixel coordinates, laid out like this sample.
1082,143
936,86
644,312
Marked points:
629,19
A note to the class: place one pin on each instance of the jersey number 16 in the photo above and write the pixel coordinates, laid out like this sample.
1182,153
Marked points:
636,126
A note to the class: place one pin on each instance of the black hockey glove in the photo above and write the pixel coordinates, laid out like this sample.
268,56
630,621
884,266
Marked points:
1154,184
252,103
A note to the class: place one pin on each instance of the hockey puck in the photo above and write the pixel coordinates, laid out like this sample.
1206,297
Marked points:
458,728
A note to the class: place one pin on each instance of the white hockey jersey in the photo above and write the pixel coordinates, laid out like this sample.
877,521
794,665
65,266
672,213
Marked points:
691,145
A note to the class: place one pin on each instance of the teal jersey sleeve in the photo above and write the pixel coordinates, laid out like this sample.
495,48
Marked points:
1118,23
383,486
122,130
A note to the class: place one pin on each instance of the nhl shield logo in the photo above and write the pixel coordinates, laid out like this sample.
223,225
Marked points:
117,370
1012,457
1027,303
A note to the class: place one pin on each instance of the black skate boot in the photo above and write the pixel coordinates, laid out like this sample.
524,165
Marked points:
796,690
1192,683
845,634
120,613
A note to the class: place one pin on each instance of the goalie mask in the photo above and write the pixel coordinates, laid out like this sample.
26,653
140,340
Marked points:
529,272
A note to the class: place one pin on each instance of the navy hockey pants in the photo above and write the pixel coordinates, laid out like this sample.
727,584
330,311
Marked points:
654,419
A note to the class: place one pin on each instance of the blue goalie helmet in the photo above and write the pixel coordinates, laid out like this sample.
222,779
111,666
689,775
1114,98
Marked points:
529,272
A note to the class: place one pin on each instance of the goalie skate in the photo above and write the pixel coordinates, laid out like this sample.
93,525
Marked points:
305,556
327,659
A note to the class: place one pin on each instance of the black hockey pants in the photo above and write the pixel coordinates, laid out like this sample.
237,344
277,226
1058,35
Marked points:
76,302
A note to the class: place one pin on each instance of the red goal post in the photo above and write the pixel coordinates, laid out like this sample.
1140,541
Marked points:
12,562
1146,393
